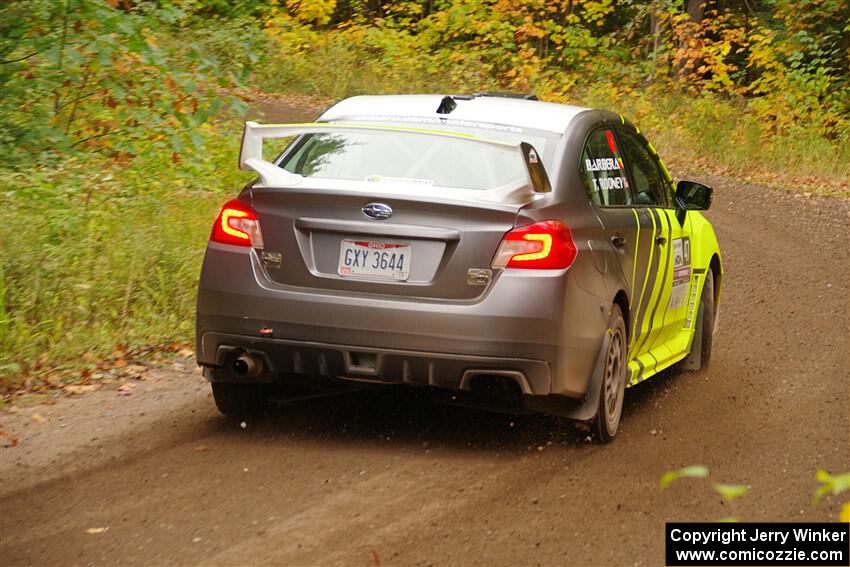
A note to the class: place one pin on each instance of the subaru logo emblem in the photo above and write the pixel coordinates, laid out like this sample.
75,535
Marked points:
378,211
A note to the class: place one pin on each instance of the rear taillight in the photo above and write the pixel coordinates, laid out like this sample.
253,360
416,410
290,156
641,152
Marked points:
545,245
237,223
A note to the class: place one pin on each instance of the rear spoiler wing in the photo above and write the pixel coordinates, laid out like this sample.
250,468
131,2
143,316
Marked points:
251,153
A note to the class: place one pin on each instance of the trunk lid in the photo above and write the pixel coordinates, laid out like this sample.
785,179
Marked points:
448,243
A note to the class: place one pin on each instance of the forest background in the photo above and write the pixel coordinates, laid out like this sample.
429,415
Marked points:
120,123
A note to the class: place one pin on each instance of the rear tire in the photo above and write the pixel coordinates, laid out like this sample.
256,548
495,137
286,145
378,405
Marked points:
701,346
613,380
239,401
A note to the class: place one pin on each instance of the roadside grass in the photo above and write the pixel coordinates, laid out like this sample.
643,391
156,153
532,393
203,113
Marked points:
98,257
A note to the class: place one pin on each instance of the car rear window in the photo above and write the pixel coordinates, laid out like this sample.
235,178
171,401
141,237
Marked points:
405,157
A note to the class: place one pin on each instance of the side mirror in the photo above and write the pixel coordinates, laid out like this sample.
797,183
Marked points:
693,196
539,178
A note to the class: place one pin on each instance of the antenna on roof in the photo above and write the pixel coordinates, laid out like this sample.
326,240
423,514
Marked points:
446,105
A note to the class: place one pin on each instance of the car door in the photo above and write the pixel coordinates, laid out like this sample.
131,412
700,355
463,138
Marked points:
661,306
612,201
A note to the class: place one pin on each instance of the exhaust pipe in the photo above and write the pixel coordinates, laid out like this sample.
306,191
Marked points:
247,366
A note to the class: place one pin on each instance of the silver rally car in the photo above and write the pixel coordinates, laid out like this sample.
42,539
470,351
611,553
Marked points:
482,246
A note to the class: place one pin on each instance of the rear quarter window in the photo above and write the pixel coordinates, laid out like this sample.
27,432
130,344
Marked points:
603,171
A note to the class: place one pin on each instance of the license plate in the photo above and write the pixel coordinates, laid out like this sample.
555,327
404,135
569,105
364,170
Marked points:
369,258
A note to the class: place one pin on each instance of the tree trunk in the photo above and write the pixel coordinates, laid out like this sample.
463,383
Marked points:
656,33
695,9
696,13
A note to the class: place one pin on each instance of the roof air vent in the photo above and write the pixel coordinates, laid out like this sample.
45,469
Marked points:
446,105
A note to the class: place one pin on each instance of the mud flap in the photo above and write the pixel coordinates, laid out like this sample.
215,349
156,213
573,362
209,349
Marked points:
693,361
581,410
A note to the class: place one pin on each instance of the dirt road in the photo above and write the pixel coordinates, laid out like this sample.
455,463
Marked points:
387,477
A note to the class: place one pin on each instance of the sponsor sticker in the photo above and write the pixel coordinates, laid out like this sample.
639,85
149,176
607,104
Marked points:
681,273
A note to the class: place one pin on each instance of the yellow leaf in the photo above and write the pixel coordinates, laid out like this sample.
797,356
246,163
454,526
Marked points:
94,531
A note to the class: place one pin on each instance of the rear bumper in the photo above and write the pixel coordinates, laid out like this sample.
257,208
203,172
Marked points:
534,324
388,366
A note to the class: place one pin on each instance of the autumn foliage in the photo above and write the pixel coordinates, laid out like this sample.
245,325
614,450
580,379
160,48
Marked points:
788,61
